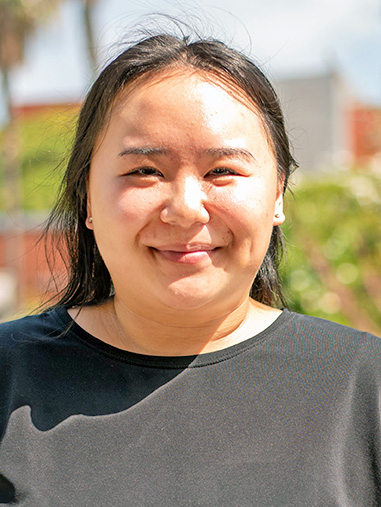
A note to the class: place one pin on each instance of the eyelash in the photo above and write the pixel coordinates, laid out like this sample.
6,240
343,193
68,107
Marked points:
145,171
223,171
151,171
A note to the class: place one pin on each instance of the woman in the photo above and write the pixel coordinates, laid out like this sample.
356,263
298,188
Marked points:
165,375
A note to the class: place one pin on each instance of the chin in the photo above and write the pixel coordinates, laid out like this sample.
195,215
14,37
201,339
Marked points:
188,296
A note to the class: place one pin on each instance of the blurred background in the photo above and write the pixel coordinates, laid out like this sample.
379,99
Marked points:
324,59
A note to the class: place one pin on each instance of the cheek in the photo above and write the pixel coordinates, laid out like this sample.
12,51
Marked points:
119,219
249,207
250,220
122,206
136,206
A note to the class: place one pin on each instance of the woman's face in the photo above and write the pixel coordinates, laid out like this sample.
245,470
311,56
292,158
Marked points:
183,194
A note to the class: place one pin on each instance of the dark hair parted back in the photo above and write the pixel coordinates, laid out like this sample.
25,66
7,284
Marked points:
89,281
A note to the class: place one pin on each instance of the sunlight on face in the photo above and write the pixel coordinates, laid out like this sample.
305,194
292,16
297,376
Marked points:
183,193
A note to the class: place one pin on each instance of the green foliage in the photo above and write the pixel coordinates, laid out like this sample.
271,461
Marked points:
45,140
333,232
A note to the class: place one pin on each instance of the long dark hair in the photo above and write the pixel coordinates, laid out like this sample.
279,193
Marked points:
88,280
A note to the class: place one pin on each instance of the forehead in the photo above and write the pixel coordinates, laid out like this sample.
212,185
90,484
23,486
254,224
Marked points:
172,91
169,78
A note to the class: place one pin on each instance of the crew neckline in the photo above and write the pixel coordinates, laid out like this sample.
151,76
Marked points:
173,362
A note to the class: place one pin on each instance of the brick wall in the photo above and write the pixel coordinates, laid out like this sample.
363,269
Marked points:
24,270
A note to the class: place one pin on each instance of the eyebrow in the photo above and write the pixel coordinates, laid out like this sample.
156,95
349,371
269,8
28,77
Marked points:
212,152
231,152
145,150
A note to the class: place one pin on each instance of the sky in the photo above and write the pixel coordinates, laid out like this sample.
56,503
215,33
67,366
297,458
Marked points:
287,38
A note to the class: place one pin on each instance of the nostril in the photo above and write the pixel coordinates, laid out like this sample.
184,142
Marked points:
7,490
184,213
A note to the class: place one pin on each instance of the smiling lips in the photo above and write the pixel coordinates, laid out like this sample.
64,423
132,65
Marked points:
186,254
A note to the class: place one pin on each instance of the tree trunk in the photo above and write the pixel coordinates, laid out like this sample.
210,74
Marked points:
90,38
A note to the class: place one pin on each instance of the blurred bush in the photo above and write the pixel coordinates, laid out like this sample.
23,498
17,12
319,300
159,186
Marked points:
333,234
45,140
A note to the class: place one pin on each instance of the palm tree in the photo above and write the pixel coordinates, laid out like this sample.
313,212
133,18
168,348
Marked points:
89,32
18,20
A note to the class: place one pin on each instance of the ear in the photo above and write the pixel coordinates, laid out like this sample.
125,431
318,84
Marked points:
89,218
279,216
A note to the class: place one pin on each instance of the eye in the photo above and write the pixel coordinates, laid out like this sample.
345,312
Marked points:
145,171
222,171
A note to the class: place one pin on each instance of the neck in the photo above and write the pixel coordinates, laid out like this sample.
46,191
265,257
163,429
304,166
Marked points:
174,334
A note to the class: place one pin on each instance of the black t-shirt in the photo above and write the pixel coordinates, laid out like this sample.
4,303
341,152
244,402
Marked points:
289,417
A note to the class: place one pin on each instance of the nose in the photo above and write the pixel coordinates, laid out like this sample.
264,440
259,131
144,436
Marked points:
185,204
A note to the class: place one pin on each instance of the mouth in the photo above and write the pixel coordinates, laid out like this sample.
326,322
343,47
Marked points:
186,254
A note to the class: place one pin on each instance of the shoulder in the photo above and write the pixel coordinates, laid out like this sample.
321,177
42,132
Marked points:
32,328
320,337
316,326
28,344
